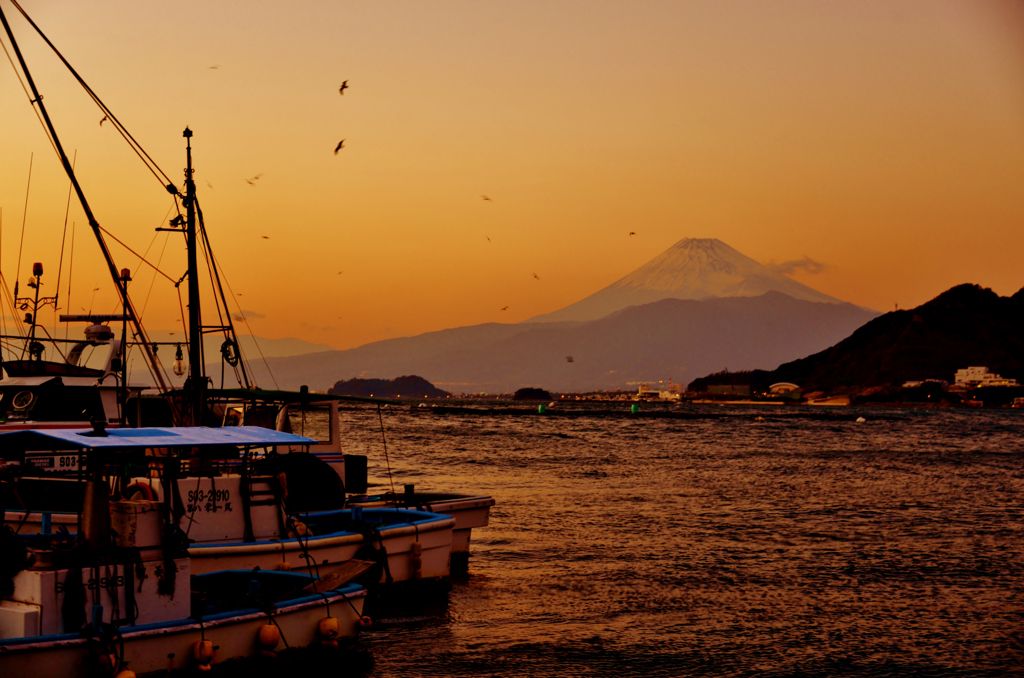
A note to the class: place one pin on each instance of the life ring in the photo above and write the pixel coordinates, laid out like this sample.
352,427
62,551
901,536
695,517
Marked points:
145,490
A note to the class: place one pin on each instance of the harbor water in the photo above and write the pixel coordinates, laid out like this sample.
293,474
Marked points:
710,541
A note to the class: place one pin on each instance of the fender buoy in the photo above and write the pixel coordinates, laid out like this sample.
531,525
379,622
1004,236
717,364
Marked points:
269,636
329,629
202,652
365,622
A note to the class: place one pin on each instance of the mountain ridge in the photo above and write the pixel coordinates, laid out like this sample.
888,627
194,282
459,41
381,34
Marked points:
967,325
671,338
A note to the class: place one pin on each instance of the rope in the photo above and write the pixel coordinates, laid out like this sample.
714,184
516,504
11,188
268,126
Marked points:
274,622
383,438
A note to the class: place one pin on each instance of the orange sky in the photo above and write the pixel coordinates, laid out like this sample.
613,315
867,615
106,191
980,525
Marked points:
884,140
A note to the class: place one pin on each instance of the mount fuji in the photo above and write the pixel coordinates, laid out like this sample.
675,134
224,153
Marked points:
698,307
693,268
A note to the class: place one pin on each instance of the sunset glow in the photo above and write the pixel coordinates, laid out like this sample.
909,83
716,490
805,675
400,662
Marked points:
881,144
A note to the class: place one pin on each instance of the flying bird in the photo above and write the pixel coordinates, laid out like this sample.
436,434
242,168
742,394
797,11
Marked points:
632,232
488,239
213,68
485,197
504,308
209,184
252,182
344,86
340,272
103,120
341,145
536,276
265,237
239,294
569,359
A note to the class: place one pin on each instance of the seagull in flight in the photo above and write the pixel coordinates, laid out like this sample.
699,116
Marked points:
341,145
213,68
488,239
252,182
103,120
504,308
265,237
485,197
632,232
344,86
537,277
209,184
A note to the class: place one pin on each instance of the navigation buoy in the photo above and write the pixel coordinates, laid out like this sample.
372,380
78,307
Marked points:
635,408
861,420
540,409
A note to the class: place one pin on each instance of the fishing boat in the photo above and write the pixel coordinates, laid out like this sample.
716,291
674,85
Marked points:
227,499
468,510
197,402
120,592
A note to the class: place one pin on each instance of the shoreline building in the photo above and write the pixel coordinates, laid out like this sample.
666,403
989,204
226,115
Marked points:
976,377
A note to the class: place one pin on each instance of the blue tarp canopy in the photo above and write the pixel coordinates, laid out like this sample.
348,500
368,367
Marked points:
124,438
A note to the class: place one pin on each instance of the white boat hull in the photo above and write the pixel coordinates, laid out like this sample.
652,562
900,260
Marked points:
159,647
327,553
469,511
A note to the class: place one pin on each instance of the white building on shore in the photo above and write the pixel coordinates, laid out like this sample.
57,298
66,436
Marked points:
976,377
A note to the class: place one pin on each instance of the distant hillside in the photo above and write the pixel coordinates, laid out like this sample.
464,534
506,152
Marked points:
407,387
670,339
693,268
966,325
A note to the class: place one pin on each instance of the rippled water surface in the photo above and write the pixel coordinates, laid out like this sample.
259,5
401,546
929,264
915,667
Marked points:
713,542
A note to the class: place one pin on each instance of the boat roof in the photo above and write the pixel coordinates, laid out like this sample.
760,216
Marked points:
123,438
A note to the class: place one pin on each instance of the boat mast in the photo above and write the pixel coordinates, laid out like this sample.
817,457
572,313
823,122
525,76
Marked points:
115,275
197,378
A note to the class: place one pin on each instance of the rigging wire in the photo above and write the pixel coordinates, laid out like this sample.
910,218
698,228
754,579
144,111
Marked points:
152,282
24,216
247,325
139,151
63,239
241,376
71,264
141,258
35,110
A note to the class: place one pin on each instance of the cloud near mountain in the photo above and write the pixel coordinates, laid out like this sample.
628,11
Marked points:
693,268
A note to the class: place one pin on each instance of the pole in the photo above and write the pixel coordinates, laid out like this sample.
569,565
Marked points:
195,327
